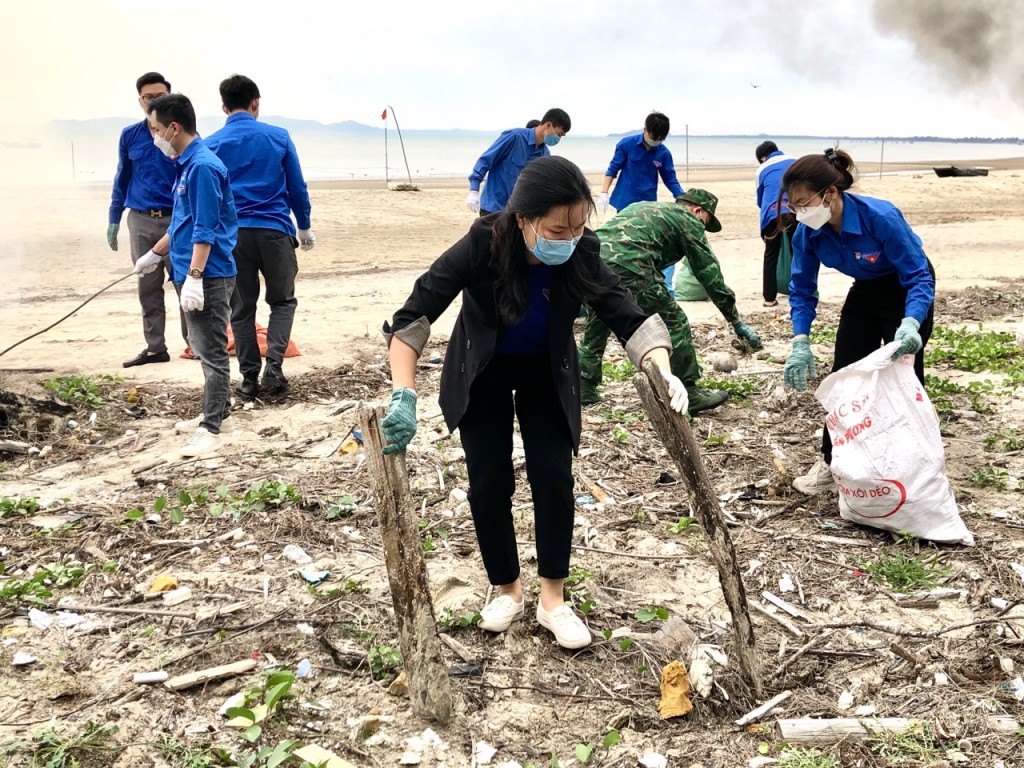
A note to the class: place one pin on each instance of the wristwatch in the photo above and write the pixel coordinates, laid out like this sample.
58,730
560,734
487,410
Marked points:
193,272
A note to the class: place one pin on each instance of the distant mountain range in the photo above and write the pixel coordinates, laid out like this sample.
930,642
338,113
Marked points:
207,125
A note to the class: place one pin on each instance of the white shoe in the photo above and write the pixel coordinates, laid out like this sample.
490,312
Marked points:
817,480
498,615
201,443
188,425
565,625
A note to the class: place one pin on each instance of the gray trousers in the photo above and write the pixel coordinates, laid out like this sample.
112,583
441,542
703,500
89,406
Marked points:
208,330
144,232
271,253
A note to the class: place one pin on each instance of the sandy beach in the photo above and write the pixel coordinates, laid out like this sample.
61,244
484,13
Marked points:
372,243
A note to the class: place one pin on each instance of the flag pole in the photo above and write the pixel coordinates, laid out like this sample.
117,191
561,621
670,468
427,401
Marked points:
384,117
402,142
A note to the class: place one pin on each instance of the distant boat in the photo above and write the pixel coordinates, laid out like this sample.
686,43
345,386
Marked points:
954,170
22,144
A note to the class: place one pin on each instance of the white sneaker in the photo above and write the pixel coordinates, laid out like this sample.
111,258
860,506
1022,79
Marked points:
191,425
201,443
188,425
817,480
565,625
498,615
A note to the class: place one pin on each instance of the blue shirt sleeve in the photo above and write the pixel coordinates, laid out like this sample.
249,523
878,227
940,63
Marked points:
495,152
668,175
903,250
618,160
121,178
803,284
298,194
760,190
205,198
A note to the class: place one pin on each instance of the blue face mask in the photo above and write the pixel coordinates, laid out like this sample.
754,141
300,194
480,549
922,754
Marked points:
552,252
551,139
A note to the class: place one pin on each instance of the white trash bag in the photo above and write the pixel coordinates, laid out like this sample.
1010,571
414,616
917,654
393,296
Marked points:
887,455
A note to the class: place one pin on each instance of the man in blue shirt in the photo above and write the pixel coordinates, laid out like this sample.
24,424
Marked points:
267,184
199,242
775,224
144,183
638,162
507,156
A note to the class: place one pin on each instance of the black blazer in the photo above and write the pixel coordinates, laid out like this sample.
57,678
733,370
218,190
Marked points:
465,268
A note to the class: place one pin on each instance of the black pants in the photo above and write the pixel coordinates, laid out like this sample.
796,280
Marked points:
271,253
485,213
772,236
519,386
871,315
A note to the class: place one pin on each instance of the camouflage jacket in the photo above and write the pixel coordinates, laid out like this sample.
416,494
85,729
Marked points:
645,238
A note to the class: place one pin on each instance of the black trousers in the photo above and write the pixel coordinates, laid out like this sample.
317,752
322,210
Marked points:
772,246
870,317
519,386
271,253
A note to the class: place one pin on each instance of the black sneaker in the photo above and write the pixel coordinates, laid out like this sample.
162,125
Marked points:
589,394
248,387
704,399
273,379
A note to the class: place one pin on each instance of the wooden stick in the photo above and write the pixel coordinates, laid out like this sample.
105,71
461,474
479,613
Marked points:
677,437
784,623
129,611
181,682
789,608
460,650
825,732
429,686
802,650
14,446
756,714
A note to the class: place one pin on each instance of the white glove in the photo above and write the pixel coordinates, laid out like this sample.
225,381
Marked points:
192,296
603,203
1020,334
473,201
680,401
148,262
306,239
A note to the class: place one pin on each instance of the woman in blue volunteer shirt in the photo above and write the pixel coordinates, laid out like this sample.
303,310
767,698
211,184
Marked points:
868,239
523,274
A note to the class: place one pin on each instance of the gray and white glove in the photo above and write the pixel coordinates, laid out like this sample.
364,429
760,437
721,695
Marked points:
306,239
148,262
473,201
192,296
679,399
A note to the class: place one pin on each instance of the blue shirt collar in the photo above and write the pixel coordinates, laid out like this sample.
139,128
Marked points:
234,118
190,150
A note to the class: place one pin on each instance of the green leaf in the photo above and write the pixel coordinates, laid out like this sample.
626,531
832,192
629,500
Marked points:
160,503
611,738
606,634
134,514
242,712
251,733
216,510
587,606
646,615
275,694
583,752
177,515
626,643
184,498
281,752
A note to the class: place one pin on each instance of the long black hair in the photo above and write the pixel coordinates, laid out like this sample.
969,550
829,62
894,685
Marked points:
546,183
831,168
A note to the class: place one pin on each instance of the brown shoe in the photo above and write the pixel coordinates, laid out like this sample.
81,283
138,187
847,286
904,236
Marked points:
188,354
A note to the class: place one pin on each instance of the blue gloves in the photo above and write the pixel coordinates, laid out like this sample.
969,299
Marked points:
800,365
908,337
399,425
747,333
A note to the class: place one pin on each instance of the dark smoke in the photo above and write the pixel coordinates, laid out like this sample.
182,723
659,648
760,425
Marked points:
974,44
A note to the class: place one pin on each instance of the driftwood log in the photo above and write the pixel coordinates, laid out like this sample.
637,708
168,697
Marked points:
677,437
826,731
429,687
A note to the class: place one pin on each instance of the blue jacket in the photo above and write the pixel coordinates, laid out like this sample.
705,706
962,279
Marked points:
204,212
769,182
501,164
875,240
144,180
266,178
638,168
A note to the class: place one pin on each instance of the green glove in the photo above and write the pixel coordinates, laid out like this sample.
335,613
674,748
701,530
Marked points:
112,235
908,337
399,425
747,333
800,365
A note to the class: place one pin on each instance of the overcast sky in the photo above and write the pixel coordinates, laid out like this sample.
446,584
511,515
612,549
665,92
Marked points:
823,68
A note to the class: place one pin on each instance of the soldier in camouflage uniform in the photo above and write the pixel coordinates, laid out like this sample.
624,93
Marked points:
638,243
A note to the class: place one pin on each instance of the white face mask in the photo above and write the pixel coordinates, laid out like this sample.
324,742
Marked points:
815,217
164,146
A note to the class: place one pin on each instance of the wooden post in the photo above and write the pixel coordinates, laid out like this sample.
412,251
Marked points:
429,687
827,731
678,440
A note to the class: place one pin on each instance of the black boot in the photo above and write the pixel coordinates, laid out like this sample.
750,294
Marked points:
248,387
273,378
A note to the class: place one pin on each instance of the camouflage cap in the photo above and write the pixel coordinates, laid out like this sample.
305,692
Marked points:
705,200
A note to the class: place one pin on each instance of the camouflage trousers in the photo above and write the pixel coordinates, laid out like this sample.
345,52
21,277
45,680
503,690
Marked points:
652,299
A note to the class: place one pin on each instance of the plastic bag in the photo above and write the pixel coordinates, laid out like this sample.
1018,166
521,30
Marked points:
784,266
887,455
686,285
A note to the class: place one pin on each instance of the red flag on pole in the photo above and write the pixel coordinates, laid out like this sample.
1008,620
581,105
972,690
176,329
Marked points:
384,115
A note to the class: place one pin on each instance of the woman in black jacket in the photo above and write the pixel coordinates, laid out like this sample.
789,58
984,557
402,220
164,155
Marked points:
523,274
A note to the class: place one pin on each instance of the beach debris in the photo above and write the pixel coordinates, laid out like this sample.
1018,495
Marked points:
865,710
786,583
22,659
675,690
400,685
149,678
758,712
177,596
303,669
305,629
653,760
723,362
163,583
314,754
427,744
313,576
702,677
39,619
483,753
675,636
845,700
235,700
296,554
